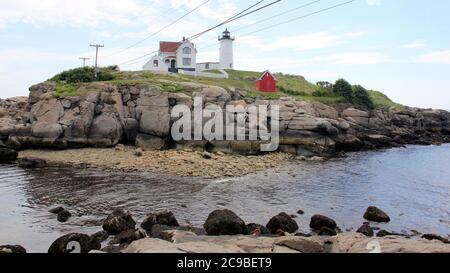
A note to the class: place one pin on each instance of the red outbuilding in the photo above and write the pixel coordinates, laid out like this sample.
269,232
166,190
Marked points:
267,83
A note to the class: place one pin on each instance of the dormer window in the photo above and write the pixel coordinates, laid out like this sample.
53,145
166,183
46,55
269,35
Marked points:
187,51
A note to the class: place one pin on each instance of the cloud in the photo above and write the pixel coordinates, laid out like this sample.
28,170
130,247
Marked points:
374,2
415,44
317,40
438,57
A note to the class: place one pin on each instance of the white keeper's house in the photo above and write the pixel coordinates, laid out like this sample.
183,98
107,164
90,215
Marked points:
176,56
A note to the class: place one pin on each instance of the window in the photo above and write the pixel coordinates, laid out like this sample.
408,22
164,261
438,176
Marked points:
187,50
187,61
155,63
207,66
167,61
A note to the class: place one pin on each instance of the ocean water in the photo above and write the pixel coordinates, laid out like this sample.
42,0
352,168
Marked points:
411,184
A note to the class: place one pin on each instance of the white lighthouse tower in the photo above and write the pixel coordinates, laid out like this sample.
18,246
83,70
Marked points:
226,50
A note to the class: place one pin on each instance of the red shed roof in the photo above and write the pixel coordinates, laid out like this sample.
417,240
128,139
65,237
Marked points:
169,47
266,72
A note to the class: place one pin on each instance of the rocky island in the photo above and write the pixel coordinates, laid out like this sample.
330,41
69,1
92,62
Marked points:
123,123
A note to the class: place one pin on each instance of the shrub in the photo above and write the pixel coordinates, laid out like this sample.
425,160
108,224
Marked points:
84,74
344,89
323,92
362,97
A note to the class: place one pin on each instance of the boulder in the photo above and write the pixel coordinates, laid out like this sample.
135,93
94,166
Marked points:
100,236
63,216
129,236
155,122
431,237
131,127
57,210
32,162
375,214
166,232
326,231
318,222
12,249
282,222
258,230
74,243
7,155
120,220
302,245
149,142
50,132
106,131
366,230
166,218
224,222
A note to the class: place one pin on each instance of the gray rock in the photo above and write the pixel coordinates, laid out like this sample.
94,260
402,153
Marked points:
106,131
155,122
319,221
120,220
366,230
7,155
282,222
32,162
224,222
165,218
12,249
64,245
63,216
149,142
376,215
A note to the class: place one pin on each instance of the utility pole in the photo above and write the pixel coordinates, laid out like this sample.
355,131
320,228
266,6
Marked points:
84,61
96,57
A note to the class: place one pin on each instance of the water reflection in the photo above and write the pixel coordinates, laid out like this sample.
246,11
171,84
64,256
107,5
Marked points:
412,185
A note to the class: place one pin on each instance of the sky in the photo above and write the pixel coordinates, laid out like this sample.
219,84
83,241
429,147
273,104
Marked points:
399,47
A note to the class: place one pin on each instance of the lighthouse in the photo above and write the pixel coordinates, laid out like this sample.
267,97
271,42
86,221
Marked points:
226,50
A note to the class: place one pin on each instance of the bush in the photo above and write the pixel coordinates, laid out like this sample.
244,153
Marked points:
362,98
291,92
323,92
84,74
344,89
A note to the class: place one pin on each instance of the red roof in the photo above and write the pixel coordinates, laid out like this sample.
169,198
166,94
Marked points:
169,47
267,72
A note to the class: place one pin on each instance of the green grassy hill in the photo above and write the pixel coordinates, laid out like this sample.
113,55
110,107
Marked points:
288,85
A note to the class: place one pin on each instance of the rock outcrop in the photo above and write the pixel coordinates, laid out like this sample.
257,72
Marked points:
104,114
187,242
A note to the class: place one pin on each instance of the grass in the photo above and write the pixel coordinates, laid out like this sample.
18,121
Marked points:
381,101
63,89
288,86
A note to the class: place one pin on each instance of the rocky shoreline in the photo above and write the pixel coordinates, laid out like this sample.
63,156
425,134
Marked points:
181,163
105,114
225,232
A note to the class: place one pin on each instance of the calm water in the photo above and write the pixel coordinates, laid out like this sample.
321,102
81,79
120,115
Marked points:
412,185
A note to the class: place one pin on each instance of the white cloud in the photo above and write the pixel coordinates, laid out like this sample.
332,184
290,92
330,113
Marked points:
374,2
415,44
439,57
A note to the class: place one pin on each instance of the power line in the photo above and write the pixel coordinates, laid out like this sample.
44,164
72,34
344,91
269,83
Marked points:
269,18
229,19
162,29
301,17
277,15
233,18
291,20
